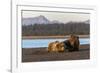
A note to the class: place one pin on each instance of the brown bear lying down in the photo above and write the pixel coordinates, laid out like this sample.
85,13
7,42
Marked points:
72,44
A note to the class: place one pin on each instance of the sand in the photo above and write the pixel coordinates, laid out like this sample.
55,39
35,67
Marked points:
41,54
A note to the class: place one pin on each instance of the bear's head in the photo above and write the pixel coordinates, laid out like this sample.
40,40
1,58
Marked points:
74,41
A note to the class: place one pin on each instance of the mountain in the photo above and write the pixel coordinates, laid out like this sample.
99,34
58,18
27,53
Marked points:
43,20
38,20
35,20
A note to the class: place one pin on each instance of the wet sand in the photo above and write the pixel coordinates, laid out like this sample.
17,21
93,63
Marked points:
41,54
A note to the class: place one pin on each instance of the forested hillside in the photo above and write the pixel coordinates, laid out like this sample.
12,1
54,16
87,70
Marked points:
80,28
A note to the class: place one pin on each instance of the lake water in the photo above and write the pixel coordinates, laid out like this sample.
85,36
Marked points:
35,43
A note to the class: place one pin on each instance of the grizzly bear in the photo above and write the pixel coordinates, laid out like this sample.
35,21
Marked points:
72,44
55,47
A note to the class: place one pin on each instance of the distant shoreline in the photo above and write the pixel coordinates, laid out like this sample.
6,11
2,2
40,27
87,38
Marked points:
52,37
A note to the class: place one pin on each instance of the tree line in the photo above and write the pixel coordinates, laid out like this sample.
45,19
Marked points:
79,28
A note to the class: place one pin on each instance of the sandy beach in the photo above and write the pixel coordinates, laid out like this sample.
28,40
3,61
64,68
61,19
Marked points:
41,54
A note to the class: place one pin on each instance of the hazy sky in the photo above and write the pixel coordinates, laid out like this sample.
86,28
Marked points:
60,16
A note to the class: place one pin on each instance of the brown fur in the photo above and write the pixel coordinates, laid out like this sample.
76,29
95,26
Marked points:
60,47
72,44
74,41
55,47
